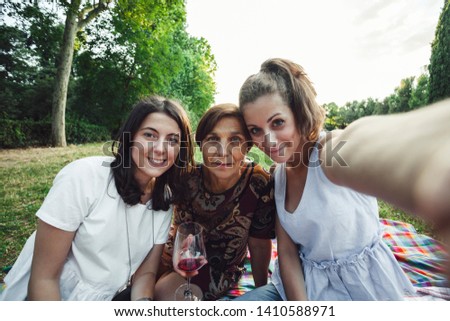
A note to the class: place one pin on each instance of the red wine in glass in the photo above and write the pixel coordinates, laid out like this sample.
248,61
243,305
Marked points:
189,255
190,265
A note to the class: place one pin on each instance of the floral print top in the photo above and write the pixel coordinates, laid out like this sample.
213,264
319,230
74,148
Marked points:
246,209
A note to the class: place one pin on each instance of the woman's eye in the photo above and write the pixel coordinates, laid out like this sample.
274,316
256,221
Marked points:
254,131
149,135
212,139
236,139
278,122
173,141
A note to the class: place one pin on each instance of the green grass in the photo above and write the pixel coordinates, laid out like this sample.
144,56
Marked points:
26,176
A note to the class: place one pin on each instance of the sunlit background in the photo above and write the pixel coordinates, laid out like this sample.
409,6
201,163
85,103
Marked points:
351,49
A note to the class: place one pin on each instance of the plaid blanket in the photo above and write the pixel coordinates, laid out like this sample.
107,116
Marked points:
421,257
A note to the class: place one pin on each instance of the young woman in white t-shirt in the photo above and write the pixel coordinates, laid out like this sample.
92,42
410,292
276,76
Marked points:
104,223
328,232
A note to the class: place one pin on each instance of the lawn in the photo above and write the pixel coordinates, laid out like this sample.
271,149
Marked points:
26,176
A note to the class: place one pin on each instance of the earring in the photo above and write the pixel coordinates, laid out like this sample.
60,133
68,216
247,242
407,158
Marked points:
167,193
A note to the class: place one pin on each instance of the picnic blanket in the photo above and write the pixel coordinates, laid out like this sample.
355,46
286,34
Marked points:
421,257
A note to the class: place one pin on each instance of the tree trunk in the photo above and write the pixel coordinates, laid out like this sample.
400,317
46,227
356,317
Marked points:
62,77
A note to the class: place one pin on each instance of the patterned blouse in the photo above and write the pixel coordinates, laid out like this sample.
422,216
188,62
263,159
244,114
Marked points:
246,209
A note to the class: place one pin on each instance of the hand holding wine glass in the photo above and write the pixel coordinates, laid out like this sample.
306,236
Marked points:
188,257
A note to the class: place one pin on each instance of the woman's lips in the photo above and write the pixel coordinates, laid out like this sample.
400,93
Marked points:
157,162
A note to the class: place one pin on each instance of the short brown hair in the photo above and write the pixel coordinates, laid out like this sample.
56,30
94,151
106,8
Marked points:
216,113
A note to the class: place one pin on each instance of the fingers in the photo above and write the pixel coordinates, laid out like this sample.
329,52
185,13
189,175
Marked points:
188,242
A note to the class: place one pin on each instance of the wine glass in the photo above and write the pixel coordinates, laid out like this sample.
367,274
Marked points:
189,255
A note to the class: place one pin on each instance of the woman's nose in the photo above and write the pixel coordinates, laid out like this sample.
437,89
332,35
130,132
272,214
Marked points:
221,148
269,139
217,148
159,147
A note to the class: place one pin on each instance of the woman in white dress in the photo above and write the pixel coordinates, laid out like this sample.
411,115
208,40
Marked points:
328,233
105,220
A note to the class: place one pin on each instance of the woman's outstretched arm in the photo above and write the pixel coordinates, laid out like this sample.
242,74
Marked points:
402,158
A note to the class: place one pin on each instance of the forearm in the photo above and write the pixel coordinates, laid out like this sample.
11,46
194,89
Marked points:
40,289
260,255
51,248
144,287
292,277
144,280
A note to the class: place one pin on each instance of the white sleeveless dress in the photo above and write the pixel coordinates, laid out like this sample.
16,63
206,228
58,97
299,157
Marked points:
339,237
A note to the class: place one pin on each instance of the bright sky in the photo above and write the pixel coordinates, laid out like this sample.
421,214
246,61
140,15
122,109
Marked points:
351,49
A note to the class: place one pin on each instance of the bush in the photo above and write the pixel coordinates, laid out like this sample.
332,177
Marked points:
81,132
26,133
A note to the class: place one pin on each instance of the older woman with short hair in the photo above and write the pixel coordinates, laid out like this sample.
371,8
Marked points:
232,199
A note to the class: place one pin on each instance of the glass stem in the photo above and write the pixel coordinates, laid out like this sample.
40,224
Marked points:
188,292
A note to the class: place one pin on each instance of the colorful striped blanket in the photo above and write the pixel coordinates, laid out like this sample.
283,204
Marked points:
421,257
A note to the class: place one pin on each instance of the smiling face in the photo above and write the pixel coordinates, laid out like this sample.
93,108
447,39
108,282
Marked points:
272,127
156,145
224,148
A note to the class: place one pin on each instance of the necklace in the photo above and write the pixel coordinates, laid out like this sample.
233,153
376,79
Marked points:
128,282
129,278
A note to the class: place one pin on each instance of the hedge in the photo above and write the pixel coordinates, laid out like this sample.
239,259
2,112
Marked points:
26,133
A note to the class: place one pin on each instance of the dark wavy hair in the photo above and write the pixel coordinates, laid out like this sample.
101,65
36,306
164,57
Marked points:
123,167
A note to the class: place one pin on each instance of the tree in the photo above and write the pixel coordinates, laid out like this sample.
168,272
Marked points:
399,100
78,15
133,49
371,106
334,117
419,95
194,85
141,54
28,49
440,58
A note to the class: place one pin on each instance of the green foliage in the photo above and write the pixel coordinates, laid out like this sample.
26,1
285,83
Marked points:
144,50
399,101
136,48
419,96
334,117
194,85
440,58
410,94
24,133
28,51
81,132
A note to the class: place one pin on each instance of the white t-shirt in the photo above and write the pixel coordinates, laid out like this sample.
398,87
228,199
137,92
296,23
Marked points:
84,199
